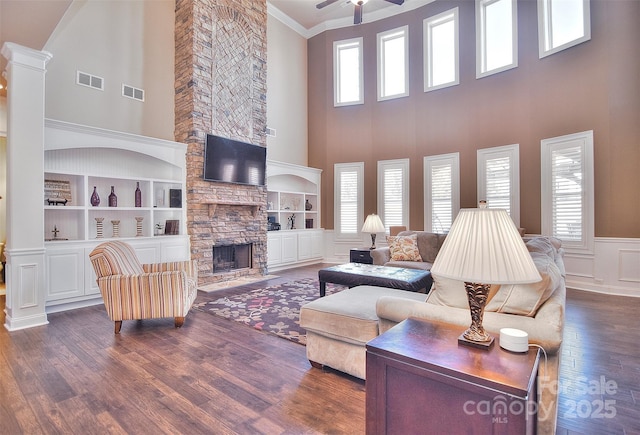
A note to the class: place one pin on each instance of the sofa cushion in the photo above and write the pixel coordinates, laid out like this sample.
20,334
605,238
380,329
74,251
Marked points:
448,292
404,248
525,299
422,265
349,315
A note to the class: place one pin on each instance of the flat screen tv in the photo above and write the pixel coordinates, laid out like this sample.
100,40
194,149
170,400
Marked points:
232,161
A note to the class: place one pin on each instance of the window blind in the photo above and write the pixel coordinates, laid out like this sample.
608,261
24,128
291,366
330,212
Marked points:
441,198
349,202
393,195
567,193
498,183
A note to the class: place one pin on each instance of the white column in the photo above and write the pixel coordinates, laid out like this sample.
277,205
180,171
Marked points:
25,303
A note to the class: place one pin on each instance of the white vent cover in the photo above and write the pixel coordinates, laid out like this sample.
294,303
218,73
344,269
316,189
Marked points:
84,79
131,92
271,131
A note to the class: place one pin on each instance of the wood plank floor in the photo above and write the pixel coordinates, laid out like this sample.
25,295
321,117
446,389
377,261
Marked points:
216,376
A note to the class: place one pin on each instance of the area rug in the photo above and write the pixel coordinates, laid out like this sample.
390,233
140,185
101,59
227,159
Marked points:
274,309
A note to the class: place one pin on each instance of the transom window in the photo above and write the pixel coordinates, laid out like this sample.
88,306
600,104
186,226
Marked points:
441,50
562,24
347,72
393,63
496,36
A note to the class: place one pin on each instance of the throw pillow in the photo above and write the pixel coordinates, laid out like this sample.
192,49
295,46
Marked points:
525,299
404,248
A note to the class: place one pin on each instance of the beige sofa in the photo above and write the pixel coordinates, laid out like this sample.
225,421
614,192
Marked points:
339,326
428,246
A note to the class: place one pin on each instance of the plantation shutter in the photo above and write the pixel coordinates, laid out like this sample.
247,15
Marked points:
567,193
393,195
441,197
349,202
498,183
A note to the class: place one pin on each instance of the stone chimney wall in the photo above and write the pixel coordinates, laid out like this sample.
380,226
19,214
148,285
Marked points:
220,88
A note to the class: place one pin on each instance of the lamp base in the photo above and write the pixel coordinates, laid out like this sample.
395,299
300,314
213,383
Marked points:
484,345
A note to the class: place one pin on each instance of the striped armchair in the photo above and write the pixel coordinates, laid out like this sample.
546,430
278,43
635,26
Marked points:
134,291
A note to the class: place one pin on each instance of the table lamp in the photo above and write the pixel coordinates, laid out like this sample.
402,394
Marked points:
373,225
483,247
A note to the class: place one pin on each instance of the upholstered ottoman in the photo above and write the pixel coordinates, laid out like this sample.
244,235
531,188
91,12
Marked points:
340,325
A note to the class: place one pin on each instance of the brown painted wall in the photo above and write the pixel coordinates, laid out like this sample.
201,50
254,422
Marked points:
592,86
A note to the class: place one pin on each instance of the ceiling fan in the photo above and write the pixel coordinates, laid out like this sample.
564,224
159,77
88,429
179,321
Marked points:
357,12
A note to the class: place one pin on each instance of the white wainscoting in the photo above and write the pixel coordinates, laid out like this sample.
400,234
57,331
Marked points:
613,268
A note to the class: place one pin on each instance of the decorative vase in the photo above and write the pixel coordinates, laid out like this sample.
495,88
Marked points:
138,195
307,205
99,234
113,199
116,228
95,198
139,226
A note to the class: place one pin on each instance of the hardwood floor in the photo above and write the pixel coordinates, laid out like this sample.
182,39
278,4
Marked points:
216,376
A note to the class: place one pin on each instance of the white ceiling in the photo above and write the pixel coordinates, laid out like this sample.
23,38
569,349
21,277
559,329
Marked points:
31,22
304,17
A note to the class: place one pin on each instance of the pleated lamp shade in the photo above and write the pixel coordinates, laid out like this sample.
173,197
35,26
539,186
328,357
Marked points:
484,246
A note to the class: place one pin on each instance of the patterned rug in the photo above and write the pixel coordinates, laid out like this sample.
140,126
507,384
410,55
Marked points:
274,309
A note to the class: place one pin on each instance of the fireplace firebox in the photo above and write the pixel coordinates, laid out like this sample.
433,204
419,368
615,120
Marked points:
232,257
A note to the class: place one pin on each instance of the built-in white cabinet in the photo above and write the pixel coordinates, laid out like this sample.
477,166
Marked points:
293,248
293,202
79,159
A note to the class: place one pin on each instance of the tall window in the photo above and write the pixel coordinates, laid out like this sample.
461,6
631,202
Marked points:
562,24
393,192
393,63
567,190
347,72
348,199
441,50
496,36
441,191
499,179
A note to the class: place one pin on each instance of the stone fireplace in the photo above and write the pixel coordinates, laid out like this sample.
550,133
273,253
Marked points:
220,88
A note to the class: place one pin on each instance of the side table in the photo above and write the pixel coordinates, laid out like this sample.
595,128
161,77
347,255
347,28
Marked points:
360,255
419,380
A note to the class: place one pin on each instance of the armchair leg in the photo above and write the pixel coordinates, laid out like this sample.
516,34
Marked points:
179,321
118,326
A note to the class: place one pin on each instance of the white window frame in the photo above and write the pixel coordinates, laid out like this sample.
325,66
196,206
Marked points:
512,152
339,169
545,28
430,162
400,32
481,38
583,140
337,47
383,166
427,27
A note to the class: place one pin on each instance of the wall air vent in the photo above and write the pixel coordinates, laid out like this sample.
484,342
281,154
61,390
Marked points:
84,79
131,92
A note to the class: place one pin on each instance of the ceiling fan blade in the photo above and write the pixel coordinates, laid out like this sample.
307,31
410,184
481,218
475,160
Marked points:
327,3
357,14
396,2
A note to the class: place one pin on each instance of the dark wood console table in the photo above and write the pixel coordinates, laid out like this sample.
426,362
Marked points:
419,380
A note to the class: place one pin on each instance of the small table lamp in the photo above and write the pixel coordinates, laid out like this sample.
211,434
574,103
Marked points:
483,246
373,225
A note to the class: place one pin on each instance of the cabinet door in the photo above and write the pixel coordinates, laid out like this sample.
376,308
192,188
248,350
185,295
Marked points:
289,248
274,248
317,244
65,273
305,241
